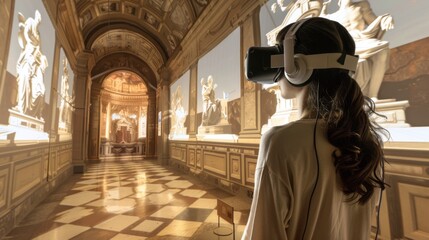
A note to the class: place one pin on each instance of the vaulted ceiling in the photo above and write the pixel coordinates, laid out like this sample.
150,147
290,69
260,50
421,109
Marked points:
150,30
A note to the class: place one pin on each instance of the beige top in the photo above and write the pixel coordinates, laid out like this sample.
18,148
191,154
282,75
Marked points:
284,179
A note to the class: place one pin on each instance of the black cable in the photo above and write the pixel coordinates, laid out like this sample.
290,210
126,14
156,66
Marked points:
317,162
379,201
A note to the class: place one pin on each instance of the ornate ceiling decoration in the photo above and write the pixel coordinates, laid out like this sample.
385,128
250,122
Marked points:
124,82
148,29
126,41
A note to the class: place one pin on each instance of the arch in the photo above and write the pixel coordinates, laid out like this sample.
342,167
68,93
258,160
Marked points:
124,61
139,104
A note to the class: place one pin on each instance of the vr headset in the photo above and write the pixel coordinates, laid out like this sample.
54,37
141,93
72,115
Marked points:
263,65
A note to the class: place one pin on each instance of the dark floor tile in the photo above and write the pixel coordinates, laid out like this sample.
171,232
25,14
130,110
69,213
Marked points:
194,214
95,234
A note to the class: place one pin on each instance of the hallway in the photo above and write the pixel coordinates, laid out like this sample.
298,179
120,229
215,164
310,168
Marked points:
130,200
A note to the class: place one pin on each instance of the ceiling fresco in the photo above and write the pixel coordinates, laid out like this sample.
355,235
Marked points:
148,29
124,82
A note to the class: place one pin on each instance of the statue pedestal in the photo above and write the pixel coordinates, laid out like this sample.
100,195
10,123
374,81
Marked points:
215,129
21,120
64,127
223,138
217,133
394,112
23,129
178,134
286,110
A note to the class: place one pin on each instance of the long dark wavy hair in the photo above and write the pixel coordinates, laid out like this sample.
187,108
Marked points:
338,99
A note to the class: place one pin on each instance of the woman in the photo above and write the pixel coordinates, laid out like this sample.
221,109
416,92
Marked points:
316,177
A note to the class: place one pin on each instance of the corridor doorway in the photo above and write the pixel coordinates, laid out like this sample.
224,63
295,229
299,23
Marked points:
123,115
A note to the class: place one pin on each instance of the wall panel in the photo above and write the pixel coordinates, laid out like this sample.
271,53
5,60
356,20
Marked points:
414,211
215,162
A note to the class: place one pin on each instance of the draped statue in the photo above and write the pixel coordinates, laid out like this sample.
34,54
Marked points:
212,110
367,29
66,98
30,67
178,111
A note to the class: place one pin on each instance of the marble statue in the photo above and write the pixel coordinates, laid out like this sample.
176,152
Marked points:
178,111
65,96
30,67
38,89
367,29
212,111
295,10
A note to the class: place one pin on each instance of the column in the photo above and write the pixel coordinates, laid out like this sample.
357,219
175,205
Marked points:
94,123
108,121
80,115
251,92
151,134
193,102
163,93
6,18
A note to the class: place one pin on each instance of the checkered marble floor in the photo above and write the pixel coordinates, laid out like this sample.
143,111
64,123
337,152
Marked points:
131,201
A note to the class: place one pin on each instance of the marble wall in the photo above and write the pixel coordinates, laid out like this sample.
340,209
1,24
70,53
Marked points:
27,176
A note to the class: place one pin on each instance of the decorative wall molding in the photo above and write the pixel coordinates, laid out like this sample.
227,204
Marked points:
28,174
228,162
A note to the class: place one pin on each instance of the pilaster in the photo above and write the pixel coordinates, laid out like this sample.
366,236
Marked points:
94,123
81,113
193,84
251,92
6,18
163,93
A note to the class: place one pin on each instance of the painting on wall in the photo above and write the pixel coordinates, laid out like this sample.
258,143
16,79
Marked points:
65,91
25,107
179,107
218,89
368,27
407,78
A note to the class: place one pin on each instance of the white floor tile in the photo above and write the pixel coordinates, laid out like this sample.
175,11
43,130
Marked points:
207,203
62,233
148,226
73,214
180,228
168,212
80,198
122,236
117,223
193,193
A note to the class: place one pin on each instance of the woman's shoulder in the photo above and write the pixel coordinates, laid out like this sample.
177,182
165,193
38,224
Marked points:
292,132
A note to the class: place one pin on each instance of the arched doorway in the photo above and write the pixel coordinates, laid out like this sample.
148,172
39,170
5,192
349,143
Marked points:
123,115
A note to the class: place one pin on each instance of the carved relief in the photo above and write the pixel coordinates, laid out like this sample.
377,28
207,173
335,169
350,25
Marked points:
235,166
181,17
108,7
250,164
192,157
151,20
85,18
130,9
199,161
